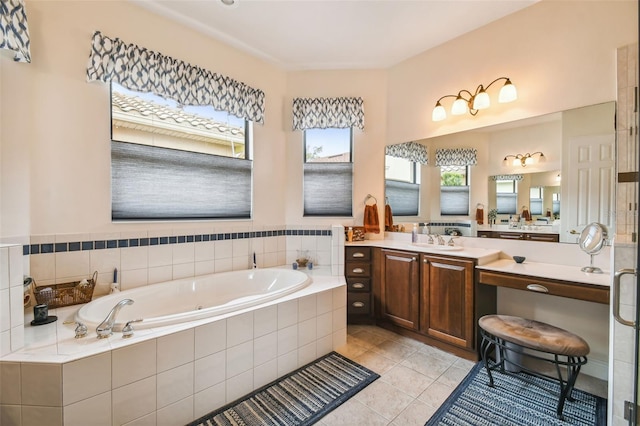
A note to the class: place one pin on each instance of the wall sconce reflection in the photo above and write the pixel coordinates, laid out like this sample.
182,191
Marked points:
473,102
524,159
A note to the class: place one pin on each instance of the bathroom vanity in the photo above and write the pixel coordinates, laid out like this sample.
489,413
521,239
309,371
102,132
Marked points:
436,294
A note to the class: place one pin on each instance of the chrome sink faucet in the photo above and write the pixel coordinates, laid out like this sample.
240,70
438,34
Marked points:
440,240
105,328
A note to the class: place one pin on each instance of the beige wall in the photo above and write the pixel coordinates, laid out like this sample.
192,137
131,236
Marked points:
55,125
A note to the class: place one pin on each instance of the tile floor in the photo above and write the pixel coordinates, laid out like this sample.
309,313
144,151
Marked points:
415,379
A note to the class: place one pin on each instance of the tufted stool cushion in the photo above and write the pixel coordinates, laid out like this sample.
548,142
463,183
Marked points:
534,335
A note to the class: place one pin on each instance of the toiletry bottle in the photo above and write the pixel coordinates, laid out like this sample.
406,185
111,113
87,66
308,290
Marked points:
350,234
414,233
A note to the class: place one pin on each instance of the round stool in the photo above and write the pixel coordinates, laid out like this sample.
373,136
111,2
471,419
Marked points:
499,330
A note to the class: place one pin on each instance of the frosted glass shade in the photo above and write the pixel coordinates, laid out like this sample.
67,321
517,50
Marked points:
481,100
508,93
439,113
459,107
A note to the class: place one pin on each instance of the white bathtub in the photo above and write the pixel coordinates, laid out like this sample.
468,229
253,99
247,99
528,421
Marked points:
196,298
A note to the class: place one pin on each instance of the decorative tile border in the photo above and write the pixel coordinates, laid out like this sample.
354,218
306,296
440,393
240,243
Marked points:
44,248
460,224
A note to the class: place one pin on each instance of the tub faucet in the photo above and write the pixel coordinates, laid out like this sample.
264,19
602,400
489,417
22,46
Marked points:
105,328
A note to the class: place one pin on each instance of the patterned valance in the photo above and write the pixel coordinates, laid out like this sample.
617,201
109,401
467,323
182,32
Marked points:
506,177
143,70
412,151
323,113
457,157
14,32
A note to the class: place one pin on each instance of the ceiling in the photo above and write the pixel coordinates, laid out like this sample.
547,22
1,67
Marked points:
334,34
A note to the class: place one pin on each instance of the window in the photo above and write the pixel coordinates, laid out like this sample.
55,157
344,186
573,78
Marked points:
507,196
402,185
173,162
328,172
454,190
535,200
555,204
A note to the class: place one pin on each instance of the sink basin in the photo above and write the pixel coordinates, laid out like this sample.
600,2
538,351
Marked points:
439,247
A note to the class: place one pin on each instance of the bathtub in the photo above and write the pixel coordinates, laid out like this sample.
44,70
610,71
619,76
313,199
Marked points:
190,299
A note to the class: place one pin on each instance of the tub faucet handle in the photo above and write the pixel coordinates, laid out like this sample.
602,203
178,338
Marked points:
81,329
127,330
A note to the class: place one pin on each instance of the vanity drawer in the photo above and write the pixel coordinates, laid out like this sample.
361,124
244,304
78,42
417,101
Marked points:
546,286
357,269
358,253
359,284
358,303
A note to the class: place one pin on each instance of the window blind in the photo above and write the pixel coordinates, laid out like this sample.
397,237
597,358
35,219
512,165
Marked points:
454,200
404,197
506,203
152,183
328,189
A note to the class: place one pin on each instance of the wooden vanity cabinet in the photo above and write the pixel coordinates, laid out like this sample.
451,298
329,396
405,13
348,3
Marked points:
447,299
399,289
358,274
521,236
428,297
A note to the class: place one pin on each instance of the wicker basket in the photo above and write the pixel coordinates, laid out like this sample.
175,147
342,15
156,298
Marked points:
66,294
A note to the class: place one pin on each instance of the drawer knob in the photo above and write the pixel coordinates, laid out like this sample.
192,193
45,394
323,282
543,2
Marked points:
358,304
537,287
357,254
358,270
357,285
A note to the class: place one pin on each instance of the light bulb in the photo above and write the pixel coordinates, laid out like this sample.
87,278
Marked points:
481,100
439,113
459,106
508,93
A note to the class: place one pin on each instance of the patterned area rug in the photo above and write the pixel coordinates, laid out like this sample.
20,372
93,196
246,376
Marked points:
514,402
299,398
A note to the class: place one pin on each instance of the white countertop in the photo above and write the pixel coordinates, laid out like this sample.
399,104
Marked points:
482,255
547,270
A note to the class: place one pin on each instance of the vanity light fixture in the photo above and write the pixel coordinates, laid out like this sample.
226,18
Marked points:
473,102
524,159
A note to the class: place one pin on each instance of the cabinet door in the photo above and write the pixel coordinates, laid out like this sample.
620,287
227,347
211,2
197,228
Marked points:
447,300
399,295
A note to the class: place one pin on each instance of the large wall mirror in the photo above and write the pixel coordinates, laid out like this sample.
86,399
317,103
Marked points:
571,185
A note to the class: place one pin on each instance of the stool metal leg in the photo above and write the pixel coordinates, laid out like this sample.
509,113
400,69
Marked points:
485,346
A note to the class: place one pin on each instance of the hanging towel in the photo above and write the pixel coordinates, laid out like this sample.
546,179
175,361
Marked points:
526,214
388,218
480,215
371,223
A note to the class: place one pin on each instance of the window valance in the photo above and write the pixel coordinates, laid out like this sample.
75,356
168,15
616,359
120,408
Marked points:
140,69
323,113
412,151
507,177
14,32
457,157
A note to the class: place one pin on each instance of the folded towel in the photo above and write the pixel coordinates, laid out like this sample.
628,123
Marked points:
388,218
371,223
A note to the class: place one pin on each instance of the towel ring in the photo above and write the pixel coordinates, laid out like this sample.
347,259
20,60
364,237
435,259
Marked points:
369,196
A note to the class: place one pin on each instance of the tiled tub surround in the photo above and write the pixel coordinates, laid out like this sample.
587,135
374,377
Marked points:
11,299
143,258
168,375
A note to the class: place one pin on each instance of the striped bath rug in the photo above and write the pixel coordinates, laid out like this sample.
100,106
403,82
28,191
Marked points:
301,397
514,402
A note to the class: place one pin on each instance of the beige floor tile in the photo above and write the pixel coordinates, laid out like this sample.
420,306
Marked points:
426,364
352,413
407,380
465,364
365,338
435,394
375,362
382,332
453,376
416,414
439,353
384,399
394,350
408,341
351,350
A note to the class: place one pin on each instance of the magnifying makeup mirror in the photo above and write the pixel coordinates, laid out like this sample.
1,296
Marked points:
592,239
